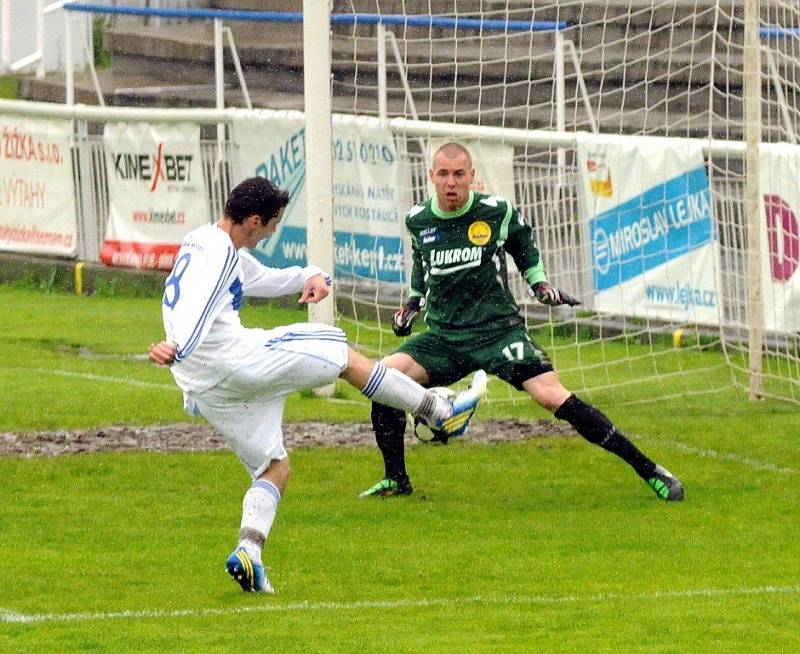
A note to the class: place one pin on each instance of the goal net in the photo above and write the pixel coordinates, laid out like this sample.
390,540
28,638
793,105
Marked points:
617,128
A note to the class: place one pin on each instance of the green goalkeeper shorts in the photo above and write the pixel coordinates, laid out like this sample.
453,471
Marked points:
447,356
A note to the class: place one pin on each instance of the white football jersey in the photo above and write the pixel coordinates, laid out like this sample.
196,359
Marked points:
201,302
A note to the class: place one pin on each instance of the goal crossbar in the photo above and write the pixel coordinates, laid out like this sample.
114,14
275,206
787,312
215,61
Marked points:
507,135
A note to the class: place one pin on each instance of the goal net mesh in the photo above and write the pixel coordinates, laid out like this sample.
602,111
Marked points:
617,68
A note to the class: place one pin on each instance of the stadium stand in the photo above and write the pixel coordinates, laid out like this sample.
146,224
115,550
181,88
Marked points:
171,64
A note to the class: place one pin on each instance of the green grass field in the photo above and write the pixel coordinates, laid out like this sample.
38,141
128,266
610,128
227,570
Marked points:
547,545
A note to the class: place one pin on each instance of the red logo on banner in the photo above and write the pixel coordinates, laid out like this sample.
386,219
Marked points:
783,234
159,171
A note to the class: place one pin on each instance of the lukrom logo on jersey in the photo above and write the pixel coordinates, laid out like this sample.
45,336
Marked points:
444,262
153,167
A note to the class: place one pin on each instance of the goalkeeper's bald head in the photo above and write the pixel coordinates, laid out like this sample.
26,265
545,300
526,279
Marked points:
453,150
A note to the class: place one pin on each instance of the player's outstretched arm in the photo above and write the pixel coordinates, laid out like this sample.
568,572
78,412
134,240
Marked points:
551,296
259,280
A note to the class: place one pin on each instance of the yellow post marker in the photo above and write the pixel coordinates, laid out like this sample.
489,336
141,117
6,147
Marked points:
79,278
677,338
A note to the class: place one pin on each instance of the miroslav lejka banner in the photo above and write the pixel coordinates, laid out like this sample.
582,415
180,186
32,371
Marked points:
371,190
37,194
654,248
779,184
156,192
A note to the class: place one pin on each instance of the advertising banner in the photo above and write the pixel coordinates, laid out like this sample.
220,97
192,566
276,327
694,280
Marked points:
779,185
654,247
371,191
156,192
37,194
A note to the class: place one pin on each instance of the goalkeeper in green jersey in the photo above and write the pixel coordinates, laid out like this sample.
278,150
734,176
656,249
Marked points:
459,243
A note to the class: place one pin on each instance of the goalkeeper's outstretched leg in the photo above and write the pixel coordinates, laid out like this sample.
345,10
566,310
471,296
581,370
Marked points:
595,427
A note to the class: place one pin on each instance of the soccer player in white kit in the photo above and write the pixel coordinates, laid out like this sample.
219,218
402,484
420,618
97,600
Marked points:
238,378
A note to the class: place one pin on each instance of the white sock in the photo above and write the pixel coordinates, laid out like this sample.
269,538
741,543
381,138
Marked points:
399,391
259,506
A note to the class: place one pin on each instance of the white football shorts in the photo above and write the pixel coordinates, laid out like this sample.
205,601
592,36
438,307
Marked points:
247,406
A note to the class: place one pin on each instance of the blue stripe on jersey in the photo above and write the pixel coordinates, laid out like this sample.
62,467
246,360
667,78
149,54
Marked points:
236,291
375,380
306,335
332,339
229,265
332,335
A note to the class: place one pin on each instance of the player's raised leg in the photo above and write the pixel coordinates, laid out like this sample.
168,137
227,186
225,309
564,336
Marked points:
464,405
394,389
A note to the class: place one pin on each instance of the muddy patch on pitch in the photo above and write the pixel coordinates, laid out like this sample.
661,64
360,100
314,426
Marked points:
189,437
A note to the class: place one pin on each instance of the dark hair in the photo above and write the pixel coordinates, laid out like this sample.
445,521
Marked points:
255,195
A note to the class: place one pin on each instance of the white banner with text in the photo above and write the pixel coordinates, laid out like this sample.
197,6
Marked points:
156,192
654,247
371,191
37,194
779,184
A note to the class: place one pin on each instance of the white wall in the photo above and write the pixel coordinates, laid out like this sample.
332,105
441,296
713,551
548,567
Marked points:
21,35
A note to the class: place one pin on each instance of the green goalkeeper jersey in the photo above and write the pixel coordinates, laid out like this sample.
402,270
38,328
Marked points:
459,261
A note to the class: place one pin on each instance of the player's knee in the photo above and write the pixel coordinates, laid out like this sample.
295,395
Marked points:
402,362
357,365
547,390
278,472
556,399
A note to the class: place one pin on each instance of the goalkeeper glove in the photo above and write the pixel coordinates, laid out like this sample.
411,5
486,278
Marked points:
404,317
550,295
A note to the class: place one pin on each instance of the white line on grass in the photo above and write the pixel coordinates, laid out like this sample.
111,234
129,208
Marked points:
601,598
706,453
105,378
135,382
7,615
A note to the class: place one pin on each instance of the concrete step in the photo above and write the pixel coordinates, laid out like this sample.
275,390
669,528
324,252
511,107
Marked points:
188,84
188,49
488,79
609,115
637,14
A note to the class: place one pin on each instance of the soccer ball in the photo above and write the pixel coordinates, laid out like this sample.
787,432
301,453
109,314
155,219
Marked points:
422,430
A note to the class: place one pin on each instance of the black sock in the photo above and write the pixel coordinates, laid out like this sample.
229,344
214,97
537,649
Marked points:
390,426
596,428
